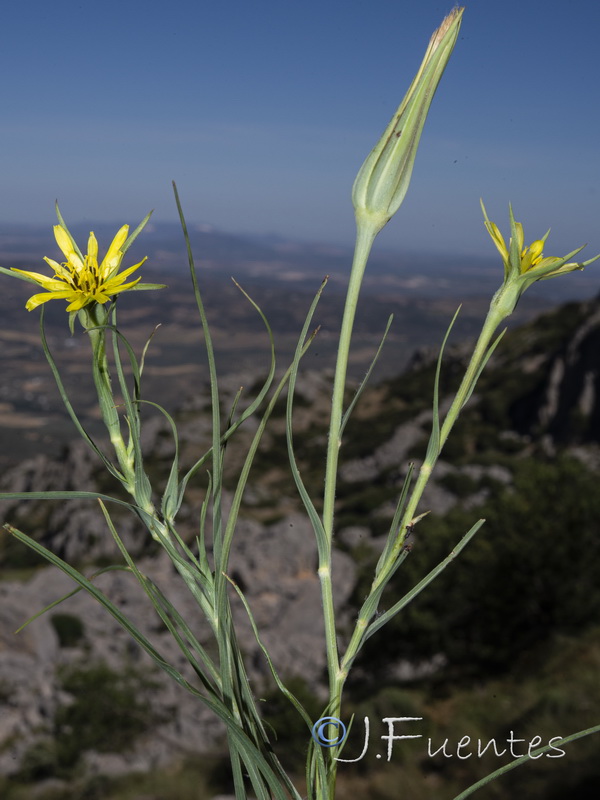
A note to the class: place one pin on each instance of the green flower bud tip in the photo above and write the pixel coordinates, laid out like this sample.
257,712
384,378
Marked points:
383,179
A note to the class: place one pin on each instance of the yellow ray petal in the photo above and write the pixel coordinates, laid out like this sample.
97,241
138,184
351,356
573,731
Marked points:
64,242
114,255
81,301
37,299
92,247
120,277
115,290
43,280
497,239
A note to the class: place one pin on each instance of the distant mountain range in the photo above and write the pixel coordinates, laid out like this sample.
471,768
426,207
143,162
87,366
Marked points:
422,292
271,260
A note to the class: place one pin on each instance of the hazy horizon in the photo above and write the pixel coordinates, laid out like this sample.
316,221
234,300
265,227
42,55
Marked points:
276,260
264,112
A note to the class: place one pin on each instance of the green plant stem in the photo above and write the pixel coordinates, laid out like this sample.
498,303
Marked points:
501,307
365,236
364,241
496,314
108,408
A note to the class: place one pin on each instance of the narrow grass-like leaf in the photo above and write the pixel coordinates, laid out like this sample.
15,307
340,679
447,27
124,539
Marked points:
146,346
195,578
433,449
253,721
205,575
233,426
369,608
249,460
131,406
91,589
198,582
119,338
234,406
238,697
169,615
409,596
260,773
267,384
556,743
316,772
70,410
143,489
368,611
236,770
71,494
201,539
108,409
282,687
232,665
365,380
314,517
221,620
214,389
133,236
193,470
120,567
169,503
481,367
395,524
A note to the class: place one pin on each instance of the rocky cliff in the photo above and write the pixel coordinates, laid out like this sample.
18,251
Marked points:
539,396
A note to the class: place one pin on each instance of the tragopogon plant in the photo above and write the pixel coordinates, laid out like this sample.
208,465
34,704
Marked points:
221,681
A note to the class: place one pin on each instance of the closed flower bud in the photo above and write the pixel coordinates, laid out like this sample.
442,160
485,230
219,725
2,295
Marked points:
383,179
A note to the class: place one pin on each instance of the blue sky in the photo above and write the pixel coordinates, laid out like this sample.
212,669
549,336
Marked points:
264,111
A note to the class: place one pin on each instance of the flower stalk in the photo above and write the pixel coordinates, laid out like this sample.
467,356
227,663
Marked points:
522,267
377,193
94,320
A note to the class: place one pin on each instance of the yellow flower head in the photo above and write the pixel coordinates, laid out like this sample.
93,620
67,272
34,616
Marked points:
80,279
528,264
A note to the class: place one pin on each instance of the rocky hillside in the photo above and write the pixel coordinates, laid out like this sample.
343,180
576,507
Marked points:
536,417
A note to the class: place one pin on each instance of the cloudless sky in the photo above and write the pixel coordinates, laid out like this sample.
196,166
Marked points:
263,112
